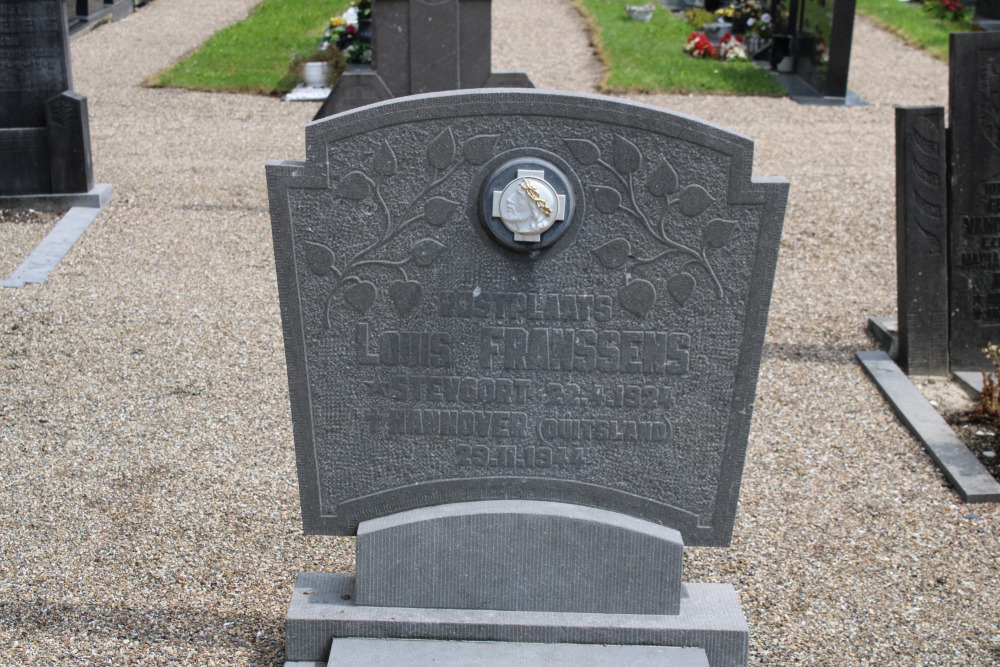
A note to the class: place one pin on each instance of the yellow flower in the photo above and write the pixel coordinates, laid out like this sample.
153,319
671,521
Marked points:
337,21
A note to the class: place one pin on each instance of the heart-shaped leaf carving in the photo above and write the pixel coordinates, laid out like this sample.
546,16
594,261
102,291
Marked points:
355,185
607,199
585,152
663,181
385,160
614,253
426,251
694,200
441,150
638,297
360,295
319,258
718,232
680,286
479,148
627,157
405,296
439,210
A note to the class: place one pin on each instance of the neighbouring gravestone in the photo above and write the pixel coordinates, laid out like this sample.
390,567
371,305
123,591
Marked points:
422,46
44,132
922,240
974,283
823,44
522,332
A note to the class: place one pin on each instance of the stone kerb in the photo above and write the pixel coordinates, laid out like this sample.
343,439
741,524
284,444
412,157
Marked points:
428,363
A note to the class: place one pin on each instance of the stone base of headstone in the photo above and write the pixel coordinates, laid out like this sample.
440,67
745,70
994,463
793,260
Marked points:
525,572
420,652
357,86
97,197
508,80
322,610
120,8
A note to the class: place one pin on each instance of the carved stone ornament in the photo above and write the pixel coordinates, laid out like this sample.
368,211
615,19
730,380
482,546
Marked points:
527,204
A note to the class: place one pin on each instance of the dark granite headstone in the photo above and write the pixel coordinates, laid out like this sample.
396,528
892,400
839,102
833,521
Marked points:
975,216
44,136
522,328
922,240
423,46
824,44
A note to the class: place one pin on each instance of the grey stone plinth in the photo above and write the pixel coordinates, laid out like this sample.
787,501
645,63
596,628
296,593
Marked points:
420,652
322,609
358,86
972,481
922,240
525,555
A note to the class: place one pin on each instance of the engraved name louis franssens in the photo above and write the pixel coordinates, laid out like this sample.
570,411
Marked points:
427,383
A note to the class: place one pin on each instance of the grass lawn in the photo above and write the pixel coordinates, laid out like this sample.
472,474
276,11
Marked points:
909,21
256,54
648,57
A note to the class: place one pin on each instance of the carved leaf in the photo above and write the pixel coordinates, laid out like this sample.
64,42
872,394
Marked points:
663,181
360,295
441,151
638,297
627,157
718,232
614,253
426,251
385,160
585,152
439,210
479,148
680,286
607,199
405,296
355,186
694,200
319,258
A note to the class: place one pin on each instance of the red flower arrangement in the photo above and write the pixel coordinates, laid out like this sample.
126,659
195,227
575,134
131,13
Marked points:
699,46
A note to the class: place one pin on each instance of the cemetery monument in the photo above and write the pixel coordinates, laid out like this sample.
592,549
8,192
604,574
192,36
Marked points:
422,46
522,334
44,131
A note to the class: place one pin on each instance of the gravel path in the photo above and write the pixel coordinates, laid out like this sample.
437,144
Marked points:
148,506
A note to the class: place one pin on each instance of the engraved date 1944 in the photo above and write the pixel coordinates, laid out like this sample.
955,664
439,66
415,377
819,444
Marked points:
513,456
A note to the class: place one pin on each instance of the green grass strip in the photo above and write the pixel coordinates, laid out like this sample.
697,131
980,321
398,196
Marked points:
256,54
909,21
649,57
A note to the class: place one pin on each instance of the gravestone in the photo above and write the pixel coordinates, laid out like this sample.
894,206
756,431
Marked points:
44,131
422,46
922,240
974,283
522,333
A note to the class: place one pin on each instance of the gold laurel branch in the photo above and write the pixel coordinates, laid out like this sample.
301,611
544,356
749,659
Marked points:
532,193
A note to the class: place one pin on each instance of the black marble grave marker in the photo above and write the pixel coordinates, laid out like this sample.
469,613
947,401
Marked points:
974,283
44,136
423,46
922,240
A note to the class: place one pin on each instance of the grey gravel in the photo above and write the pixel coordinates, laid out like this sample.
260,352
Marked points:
148,503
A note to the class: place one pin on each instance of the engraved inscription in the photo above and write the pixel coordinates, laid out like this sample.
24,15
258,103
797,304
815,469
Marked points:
512,456
980,256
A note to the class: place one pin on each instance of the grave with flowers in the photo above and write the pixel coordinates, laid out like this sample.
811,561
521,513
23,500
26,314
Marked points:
417,47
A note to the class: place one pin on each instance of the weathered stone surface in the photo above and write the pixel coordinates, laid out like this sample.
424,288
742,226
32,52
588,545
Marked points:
428,364
69,143
322,609
517,554
974,283
922,240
